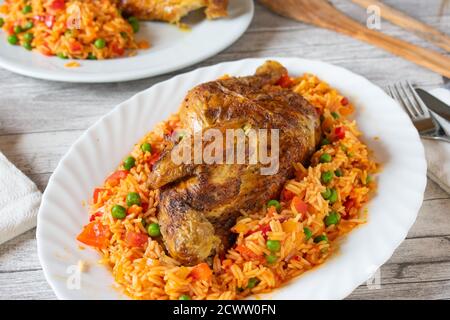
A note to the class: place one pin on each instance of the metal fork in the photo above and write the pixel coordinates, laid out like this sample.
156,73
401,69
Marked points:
424,122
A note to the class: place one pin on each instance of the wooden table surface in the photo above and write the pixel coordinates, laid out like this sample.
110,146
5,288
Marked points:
39,120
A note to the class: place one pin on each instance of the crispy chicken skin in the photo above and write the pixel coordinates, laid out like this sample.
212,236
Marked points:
172,10
199,203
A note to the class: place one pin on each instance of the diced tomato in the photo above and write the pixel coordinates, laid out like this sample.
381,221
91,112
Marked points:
57,4
117,49
344,101
114,179
287,195
201,272
339,133
285,81
95,234
75,46
95,215
144,206
11,30
49,20
300,205
135,239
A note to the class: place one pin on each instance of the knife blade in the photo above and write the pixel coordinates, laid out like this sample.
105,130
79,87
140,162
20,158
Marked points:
434,104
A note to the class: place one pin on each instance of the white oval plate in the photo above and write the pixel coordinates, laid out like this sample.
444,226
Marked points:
171,49
100,149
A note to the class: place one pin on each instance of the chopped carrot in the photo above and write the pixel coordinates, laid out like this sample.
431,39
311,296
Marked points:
299,205
201,272
114,179
95,234
134,209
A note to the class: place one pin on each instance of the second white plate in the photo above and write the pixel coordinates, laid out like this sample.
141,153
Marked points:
171,49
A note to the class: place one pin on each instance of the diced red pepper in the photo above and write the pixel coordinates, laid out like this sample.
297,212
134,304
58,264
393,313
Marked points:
144,206
95,234
285,81
136,239
201,272
95,195
348,204
49,20
300,205
339,133
344,101
95,215
287,195
57,4
114,179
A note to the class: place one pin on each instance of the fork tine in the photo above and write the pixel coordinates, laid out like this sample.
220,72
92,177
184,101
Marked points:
399,98
418,100
410,102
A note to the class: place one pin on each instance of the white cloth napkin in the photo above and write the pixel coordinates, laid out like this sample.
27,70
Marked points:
19,201
438,152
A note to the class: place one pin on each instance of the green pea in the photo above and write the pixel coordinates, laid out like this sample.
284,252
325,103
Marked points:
124,34
338,173
146,147
335,115
91,56
327,176
325,142
27,46
333,197
368,179
274,203
326,157
129,163
332,218
28,25
144,223
184,297
153,230
61,55
133,198
273,245
28,37
326,194
26,9
100,43
17,29
2,22
322,237
134,22
308,233
68,33
12,39
252,282
118,212
271,258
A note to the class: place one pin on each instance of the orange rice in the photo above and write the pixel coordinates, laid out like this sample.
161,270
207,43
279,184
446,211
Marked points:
143,270
69,28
